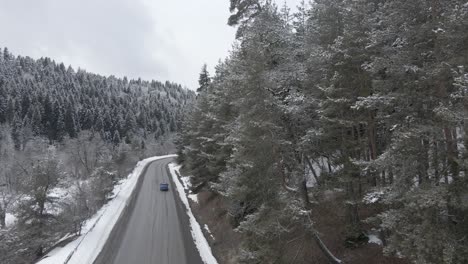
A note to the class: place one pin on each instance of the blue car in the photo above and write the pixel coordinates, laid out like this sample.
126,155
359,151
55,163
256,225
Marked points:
164,187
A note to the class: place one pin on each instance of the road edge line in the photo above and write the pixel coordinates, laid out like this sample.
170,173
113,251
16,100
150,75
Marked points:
196,231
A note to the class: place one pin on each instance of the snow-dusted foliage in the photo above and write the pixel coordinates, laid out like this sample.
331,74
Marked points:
365,96
45,98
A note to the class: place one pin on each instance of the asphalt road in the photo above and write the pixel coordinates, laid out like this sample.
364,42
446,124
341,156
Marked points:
156,228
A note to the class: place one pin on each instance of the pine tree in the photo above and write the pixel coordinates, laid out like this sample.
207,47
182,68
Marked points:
3,104
204,79
70,123
243,12
7,56
116,138
16,132
364,95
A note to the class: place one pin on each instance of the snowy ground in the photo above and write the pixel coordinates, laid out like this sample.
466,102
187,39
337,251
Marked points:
96,230
209,231
10,220
193,197
197,233
186,182
187,185
374,239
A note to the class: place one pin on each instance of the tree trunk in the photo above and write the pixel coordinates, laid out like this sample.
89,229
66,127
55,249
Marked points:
465,139
372,144
423,162
305,194
390,177
324,249
360,185
2,218
329,165
352,207
435,162
312,169
452,153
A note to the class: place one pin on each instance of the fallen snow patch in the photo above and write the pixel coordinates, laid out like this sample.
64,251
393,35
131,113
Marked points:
10,219
449,179
373,239
96,230
208,231
197,234
186,182
373,197
58,193
193,197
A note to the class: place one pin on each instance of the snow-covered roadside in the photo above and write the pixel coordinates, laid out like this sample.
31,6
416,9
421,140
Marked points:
96,230
374,239
209,231
193,197
197,233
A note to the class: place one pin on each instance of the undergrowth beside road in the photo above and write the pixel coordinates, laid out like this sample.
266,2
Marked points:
212,210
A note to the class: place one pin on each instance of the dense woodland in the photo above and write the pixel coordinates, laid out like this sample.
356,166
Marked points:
45,98
66,138
365,100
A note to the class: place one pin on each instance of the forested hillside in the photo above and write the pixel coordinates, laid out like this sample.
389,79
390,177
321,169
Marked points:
45,98
67,137
345,115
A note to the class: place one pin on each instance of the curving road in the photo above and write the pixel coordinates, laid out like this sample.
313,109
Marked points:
156,229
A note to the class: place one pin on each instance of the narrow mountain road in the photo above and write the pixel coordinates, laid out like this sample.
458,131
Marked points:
156,230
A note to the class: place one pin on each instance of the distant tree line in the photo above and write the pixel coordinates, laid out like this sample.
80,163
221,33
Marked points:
45,98
369,97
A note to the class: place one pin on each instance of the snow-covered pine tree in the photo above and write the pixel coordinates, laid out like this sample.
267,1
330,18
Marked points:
204,79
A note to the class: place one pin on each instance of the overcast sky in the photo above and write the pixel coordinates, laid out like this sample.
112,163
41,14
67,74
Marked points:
151,39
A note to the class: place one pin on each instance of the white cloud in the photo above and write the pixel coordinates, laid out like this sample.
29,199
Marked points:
152,39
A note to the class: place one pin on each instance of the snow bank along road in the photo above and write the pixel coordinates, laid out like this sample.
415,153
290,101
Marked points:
156,230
